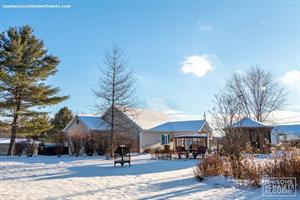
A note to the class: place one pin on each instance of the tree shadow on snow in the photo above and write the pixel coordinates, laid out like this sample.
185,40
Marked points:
47,159
137,168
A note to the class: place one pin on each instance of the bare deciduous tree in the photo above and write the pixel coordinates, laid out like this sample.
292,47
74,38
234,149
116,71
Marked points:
116,89
226,110
258,92
254,94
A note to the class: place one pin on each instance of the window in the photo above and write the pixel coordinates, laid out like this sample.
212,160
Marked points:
180,142
165,139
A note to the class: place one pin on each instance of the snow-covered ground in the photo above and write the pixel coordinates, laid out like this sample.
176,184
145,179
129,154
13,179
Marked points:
45,177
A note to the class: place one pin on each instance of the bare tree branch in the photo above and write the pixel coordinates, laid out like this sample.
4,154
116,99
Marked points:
257,91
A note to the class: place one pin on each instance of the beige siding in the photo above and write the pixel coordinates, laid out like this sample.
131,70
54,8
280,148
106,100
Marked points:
125,125
76,128
150,140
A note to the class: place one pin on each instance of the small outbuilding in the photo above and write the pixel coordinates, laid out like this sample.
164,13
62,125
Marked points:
255,133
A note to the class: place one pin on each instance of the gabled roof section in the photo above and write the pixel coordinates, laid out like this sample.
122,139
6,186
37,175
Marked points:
122,114
291,129
180,126
91,122
249,123
146,118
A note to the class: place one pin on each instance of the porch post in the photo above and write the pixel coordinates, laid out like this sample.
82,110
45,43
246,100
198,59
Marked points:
175,144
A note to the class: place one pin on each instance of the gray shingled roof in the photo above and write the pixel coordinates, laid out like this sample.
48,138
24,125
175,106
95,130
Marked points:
249,123
178,126
94,122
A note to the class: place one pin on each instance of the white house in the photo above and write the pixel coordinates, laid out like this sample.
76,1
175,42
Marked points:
148,128
281,133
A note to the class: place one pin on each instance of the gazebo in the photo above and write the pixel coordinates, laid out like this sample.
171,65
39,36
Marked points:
188,135
255,133
195,144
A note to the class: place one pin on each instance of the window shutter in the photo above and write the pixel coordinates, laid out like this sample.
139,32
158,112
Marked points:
162,139
169,138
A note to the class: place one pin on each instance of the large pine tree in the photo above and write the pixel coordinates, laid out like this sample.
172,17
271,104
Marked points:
25,65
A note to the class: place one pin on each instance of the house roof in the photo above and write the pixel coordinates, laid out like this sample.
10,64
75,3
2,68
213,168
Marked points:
146,118
143,118
91,122
292,129
249,123
180,126
94,122
192,136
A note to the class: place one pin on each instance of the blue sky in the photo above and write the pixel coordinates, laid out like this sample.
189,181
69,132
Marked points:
164,39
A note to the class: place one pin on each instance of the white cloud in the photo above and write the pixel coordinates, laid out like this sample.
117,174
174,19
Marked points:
292,79
197,65
203,27
160,105
284,117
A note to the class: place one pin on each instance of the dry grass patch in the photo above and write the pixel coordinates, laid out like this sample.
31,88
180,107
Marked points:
283,162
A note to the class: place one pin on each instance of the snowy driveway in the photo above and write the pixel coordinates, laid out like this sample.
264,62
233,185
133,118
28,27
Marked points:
44,177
